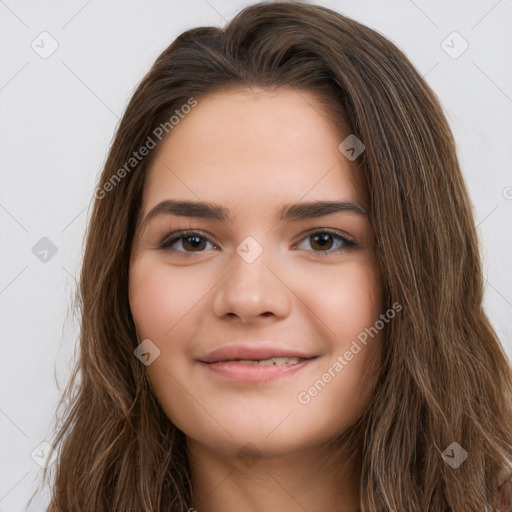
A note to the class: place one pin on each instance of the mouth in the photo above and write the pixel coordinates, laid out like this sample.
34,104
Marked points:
260,362
271,361
265,352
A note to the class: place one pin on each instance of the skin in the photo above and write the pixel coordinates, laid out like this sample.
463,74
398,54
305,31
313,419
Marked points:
252,151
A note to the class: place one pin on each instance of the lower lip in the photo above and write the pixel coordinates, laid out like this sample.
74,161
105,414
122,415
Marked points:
253,372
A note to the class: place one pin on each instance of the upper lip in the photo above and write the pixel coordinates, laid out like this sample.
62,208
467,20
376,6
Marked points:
253,352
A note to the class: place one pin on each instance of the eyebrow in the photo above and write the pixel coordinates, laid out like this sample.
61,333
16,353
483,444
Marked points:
287,212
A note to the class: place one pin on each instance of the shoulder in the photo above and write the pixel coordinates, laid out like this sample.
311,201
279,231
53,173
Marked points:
505,496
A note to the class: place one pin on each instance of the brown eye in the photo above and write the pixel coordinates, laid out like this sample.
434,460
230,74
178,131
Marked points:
322,241
327,242
191,241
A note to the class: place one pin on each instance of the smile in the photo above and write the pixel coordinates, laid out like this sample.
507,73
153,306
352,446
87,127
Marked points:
254,371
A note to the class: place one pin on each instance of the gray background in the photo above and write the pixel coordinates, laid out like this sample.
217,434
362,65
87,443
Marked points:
58,116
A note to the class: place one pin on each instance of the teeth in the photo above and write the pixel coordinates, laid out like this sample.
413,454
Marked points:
273,361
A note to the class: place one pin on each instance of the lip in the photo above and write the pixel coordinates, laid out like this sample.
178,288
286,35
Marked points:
241,372
253,351
224,362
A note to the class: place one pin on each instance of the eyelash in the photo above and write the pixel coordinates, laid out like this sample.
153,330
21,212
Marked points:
171,238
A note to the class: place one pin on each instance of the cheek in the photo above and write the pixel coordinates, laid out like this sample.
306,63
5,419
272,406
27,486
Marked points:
165,306
163,299
347,300
348,305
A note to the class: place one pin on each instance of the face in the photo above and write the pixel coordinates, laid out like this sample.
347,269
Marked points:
268,272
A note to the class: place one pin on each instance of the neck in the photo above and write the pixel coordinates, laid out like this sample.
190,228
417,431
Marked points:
315,480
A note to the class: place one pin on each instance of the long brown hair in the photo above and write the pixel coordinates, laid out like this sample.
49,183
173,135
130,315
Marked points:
444,376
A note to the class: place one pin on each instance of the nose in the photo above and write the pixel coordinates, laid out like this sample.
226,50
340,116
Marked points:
252,290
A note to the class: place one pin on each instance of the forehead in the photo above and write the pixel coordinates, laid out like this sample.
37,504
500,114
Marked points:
253,147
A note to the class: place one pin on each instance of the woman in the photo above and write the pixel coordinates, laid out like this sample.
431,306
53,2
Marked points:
281,289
